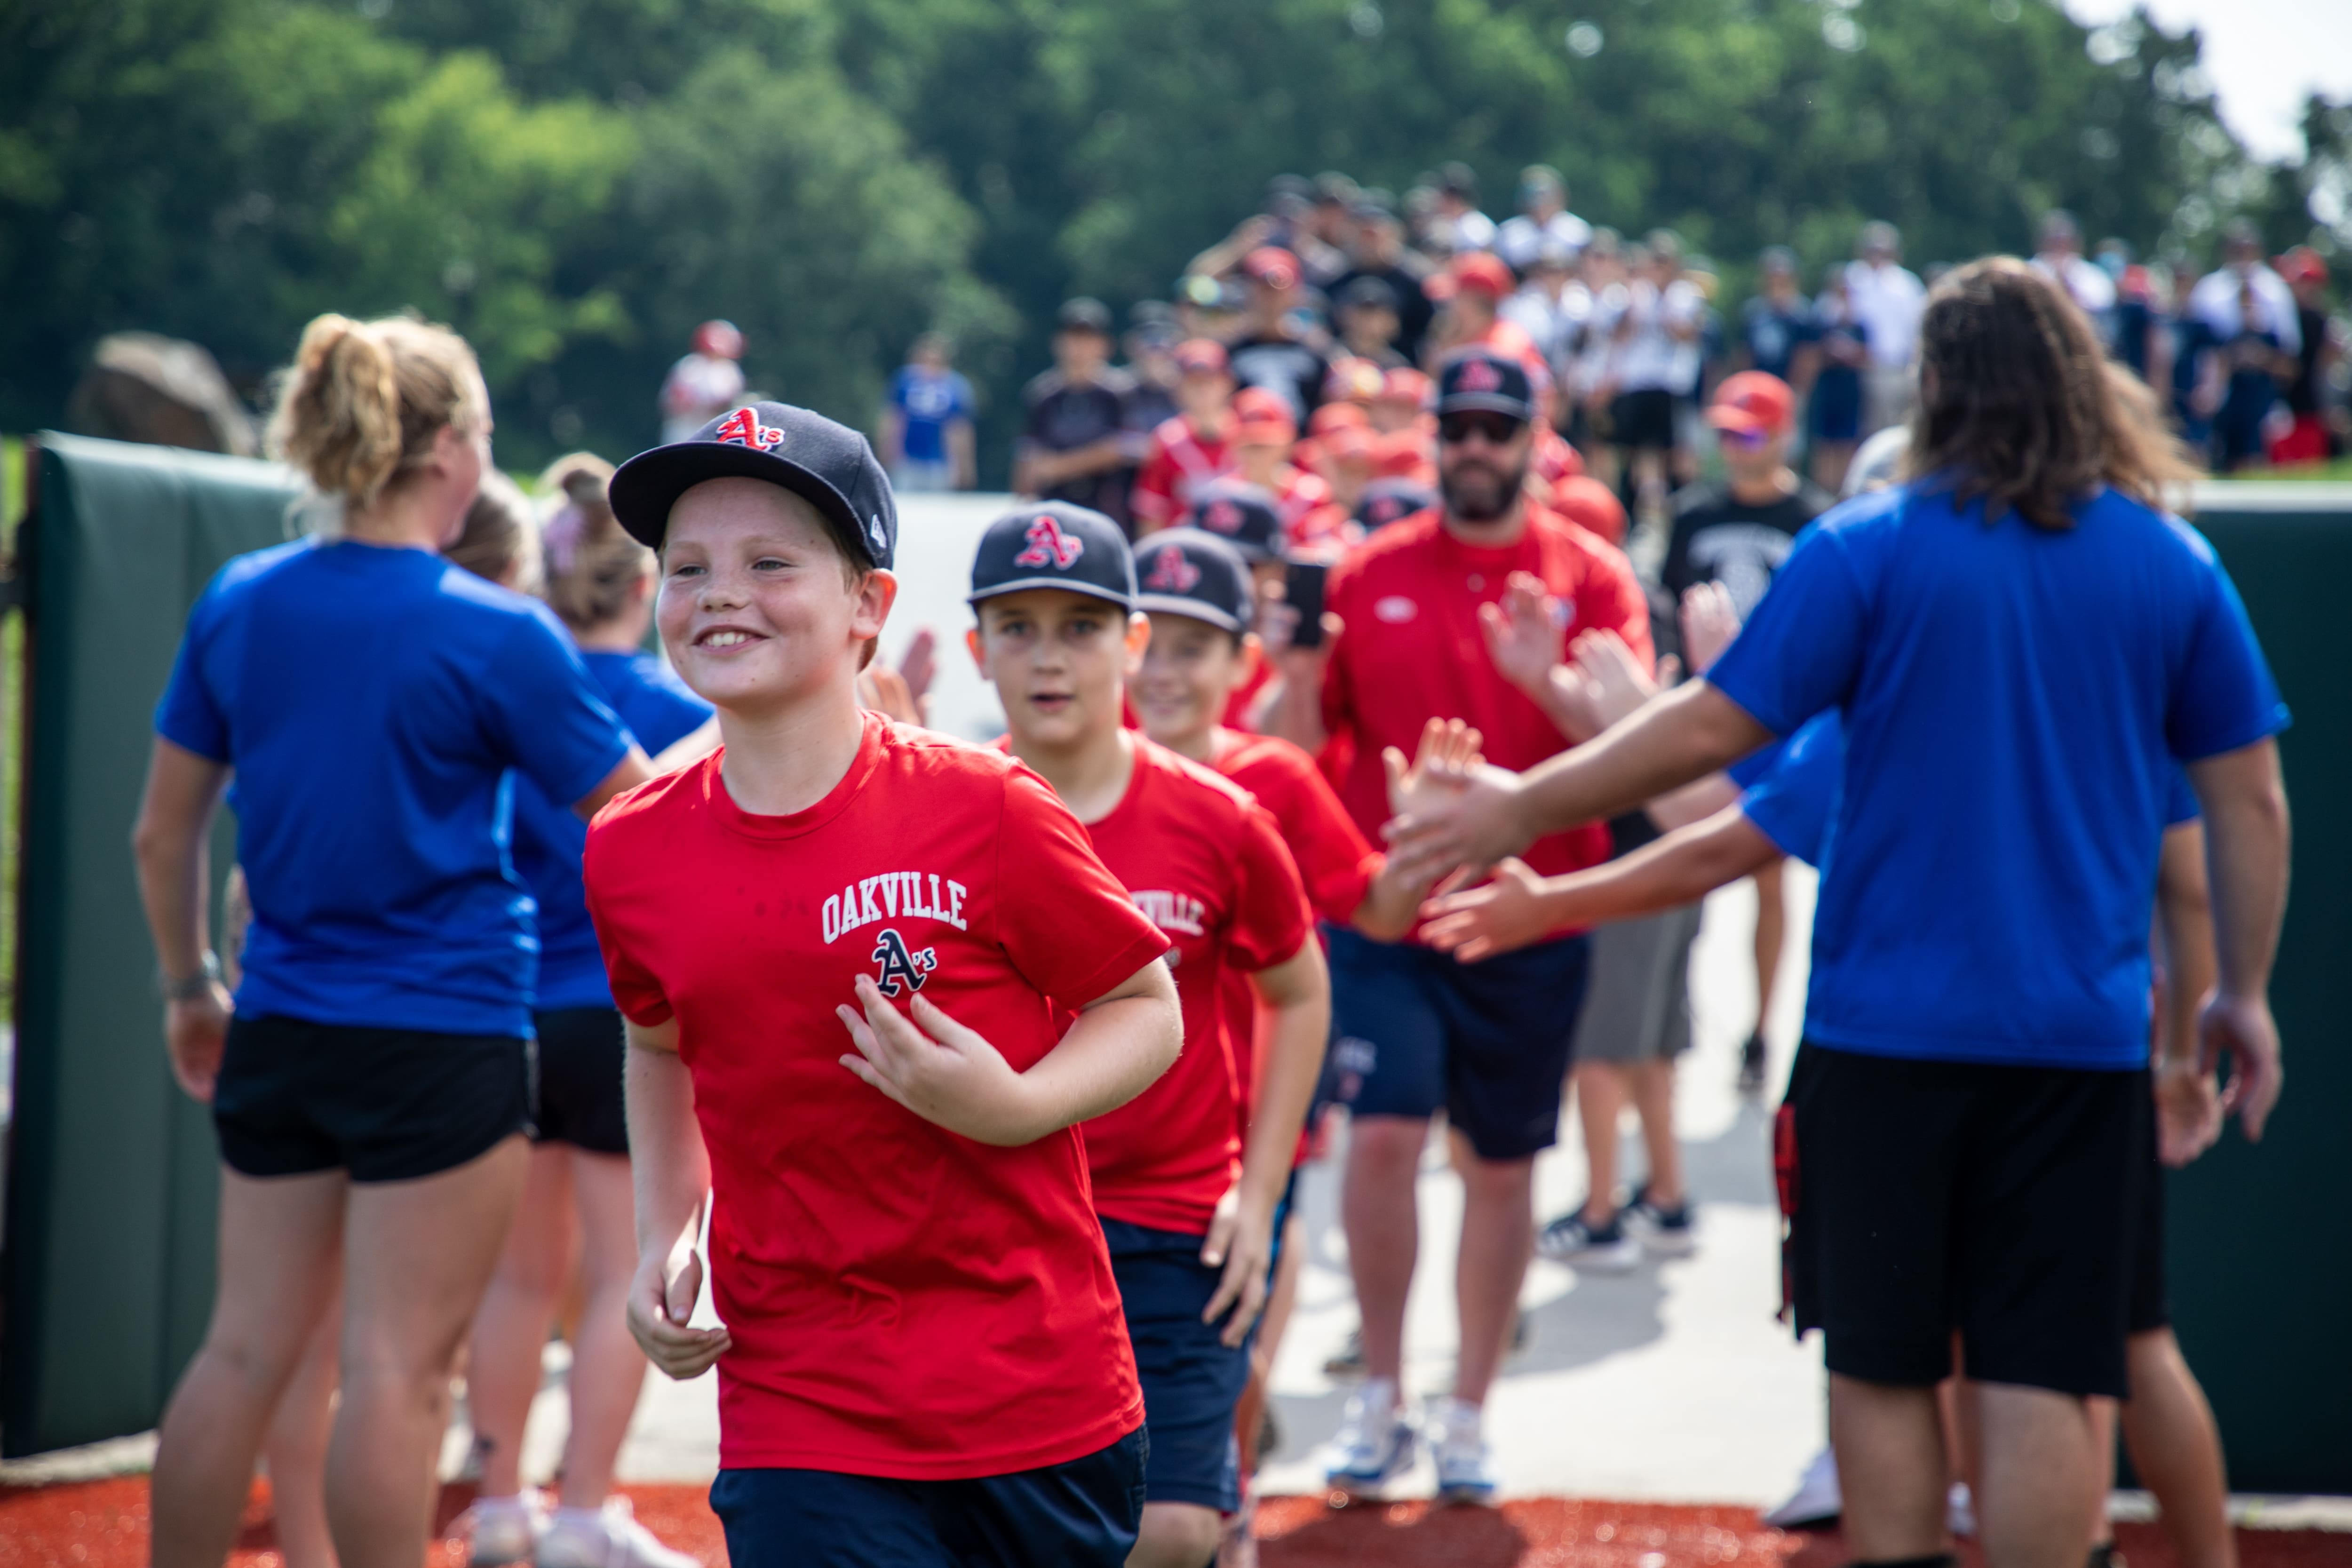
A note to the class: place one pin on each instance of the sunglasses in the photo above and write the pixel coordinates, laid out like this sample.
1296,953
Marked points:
1748,438
1497,429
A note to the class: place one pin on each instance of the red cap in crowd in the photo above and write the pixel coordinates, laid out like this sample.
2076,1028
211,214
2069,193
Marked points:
1262,417
1272,265
1336,416
2303,265
1479,272
1754,403
1201,356
1405,385
721,340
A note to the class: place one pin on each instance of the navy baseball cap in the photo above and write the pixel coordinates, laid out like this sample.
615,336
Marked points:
1185,572
1054,545
1241,514
1392,500
828,465
1479,380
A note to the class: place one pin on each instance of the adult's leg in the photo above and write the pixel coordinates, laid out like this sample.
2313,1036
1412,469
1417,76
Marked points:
1380,1211
502,1373
2177,1449
1497,1239
2037,1487
296,1448
417,1257
1600,1097
277,1276
1889,1444
1654,1097
608,1370
1175,1535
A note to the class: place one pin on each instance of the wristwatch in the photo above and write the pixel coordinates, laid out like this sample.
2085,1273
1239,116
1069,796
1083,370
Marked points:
190,987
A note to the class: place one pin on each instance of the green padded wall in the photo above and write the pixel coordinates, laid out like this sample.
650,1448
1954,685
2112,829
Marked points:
112,1172
2260,1270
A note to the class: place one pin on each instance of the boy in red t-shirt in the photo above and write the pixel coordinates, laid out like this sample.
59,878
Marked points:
1187,1202
1197,591
873,980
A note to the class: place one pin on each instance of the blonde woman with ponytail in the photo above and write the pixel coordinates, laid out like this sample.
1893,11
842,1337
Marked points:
577,1209
369,1079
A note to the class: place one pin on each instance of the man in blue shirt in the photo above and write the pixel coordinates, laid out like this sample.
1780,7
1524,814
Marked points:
927,441
2017,647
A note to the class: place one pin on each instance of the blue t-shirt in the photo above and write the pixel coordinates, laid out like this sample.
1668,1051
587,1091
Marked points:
372,701
929,401
2013,701
548,835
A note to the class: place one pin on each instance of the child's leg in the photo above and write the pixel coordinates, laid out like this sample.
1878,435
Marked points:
1654,1097
296,1448
1175,1535
510,1329
1600,1096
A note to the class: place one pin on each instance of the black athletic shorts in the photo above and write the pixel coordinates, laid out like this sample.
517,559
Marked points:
2150,1306
578,1092
385,1105
2000,1201
1643,419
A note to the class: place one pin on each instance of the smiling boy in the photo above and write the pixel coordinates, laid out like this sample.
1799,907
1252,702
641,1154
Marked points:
872,979
1186,1202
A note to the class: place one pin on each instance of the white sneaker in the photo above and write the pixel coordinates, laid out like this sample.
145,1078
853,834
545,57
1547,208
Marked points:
1816,1500
1465,1467
1374,1444
1959,1511
1601,1249
501,1531
610,1538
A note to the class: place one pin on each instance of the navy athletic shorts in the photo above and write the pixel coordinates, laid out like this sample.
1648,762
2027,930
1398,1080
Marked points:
1487,1043
1190,1380
385,1105
1082,1514
578,1081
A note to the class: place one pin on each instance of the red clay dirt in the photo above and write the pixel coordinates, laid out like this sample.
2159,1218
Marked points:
103,1524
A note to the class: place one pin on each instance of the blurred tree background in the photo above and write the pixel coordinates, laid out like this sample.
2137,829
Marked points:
573,184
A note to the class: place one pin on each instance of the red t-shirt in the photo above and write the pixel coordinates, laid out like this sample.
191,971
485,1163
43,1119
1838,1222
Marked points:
1178,460
1333,860
1207,865
1237,703
905,1303
1412,650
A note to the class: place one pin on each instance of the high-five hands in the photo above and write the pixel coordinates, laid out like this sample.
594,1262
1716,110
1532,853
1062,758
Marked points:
1525,634
1709,623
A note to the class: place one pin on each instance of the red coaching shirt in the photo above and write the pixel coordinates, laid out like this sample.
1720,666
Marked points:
1412,651
1334,862
1180,460
1208,865
905,1303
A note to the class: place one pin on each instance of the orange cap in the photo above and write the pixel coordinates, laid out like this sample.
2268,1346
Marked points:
1754,403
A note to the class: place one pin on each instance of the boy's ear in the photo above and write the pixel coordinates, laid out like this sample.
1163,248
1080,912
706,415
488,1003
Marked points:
1139,633
1252,655
877,592
980,659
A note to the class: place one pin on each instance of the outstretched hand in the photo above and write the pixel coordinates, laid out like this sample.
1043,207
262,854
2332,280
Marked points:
1524,634
940,1070
1709,623
1479,922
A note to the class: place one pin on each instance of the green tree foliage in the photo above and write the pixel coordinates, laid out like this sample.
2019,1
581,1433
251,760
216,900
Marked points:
575,185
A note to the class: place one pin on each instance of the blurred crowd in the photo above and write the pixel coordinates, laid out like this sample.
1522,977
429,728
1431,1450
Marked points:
1295,353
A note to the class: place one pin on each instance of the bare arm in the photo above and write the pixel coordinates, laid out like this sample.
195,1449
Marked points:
2246,843
950,1075
670,1170
893,435
1241,1239
963,466
627,774
170,843
1518,907
2188,1098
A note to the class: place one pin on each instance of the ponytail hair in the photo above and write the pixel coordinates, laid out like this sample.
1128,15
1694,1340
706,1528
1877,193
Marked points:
592,567
365,400
500,541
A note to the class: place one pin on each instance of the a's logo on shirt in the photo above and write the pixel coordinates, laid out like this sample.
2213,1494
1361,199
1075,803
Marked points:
1179,912
1049,546
743,428
1396,609
902,969
1172,574
1479,375
1223,516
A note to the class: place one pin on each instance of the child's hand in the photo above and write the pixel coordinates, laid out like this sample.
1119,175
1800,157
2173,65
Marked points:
1241,1239
1709,623
660,1303
939,1069
1507,912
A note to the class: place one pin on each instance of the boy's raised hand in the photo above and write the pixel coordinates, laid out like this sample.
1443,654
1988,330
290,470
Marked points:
1523,636
1709,623
1479,922
939,1069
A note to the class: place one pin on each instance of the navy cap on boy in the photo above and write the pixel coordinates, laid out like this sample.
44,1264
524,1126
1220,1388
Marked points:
1054,545
1240,513
1185,572
828,464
